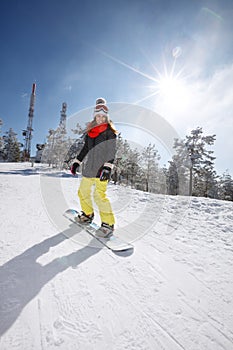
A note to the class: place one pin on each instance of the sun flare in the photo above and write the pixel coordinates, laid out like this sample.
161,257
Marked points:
169,87
173,91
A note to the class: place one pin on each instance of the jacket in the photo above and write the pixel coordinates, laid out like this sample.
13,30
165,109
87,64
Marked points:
98,151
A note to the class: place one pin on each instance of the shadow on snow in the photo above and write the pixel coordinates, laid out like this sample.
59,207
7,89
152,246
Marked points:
22,278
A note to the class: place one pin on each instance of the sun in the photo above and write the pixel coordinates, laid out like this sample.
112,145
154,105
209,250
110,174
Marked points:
170,91
173,91
171,88
168,86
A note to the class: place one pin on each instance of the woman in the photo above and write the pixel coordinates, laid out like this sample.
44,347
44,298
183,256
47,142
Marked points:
100,149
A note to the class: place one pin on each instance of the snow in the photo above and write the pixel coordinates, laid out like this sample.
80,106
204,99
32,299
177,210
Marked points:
59,289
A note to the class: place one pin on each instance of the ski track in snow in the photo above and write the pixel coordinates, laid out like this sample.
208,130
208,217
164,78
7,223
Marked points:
174,292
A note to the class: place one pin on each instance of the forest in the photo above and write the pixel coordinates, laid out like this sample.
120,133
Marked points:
190,171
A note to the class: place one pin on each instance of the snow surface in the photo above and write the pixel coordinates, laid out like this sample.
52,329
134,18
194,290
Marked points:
61,290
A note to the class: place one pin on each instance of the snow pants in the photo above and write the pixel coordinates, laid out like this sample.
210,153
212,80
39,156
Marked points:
100,198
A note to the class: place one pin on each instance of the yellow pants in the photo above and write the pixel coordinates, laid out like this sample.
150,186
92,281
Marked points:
100,198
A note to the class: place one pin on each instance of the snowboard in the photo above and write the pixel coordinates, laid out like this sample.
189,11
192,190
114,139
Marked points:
113,242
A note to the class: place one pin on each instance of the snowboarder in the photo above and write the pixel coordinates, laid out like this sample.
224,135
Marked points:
100,149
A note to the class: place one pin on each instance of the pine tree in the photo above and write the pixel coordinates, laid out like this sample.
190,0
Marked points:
132,168
56,148
205,181
122,159
172,179
226,187
11,148
179,169
193,156
149,163
78,130
76,144
202,164
1,140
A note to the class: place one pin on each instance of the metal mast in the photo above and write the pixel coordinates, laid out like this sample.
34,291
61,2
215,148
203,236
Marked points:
63,116
28,132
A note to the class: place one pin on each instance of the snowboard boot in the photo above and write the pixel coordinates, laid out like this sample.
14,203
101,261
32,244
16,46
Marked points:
84,219
105,230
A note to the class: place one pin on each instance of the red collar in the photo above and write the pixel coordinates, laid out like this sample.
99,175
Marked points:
94,132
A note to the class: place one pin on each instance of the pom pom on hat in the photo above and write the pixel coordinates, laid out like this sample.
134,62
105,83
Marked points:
101,107
100,101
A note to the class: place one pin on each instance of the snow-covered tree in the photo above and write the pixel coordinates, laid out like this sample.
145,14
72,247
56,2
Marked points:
194,161
149,163
11,146
121,159
226,187
1,140
205,181
75,143
179,167
202,163
56,148
123,149
172,179
126,163
79,130
132,168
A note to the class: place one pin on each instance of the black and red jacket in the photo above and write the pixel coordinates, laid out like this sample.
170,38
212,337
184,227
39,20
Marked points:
99,148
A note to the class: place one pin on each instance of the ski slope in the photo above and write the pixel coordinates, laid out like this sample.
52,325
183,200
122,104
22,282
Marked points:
59,289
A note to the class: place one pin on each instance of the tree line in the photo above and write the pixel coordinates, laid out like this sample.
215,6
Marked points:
190,172
10,148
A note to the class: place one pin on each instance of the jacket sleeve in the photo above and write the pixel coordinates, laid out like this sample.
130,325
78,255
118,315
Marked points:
83,151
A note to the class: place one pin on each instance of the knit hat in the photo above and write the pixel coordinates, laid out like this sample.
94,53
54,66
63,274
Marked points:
101,107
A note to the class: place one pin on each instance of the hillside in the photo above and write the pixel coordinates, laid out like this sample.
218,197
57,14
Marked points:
60,289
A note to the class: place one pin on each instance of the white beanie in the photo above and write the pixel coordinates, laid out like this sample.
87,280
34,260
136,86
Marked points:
101,108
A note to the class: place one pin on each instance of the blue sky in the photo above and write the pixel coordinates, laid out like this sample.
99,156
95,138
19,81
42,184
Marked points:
174,57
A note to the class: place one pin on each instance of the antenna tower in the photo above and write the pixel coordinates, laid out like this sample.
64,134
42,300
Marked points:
28,132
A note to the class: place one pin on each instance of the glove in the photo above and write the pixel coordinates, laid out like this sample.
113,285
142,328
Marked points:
105,173
74,168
